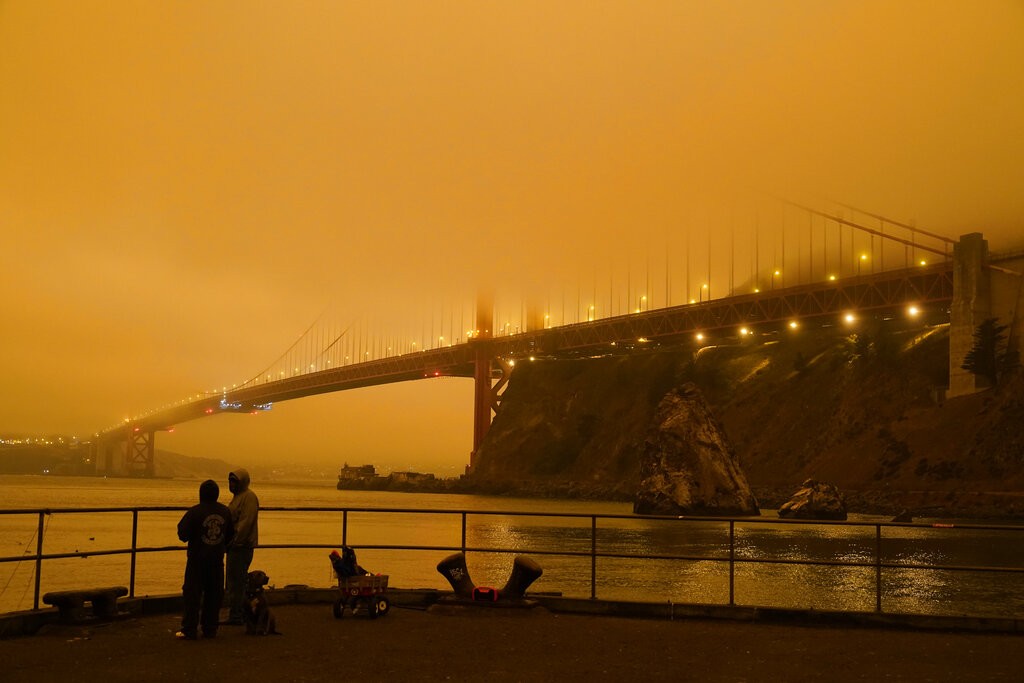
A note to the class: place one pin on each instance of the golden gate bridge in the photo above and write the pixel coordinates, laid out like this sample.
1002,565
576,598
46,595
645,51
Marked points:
821,266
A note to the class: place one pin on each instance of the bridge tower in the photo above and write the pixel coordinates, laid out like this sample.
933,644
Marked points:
982,289
972,303
487,392
482,400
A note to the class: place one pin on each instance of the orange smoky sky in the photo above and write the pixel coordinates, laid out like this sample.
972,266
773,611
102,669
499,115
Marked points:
186,186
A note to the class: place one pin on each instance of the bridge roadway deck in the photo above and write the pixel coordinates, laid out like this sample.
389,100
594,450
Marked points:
474,643
872,292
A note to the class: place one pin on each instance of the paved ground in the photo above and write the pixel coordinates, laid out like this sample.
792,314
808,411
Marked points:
471,644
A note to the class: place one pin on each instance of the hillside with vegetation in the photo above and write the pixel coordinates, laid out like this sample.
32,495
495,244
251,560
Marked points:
864,410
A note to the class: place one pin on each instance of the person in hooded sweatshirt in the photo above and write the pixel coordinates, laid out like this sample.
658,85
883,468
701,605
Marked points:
245,510
207,528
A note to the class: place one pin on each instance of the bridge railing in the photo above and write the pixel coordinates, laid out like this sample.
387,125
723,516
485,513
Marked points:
608,554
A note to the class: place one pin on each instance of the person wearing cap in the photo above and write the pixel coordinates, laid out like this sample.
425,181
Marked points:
245,510
207,528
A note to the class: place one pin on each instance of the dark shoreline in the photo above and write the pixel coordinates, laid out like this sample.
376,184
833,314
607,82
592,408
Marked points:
1002,506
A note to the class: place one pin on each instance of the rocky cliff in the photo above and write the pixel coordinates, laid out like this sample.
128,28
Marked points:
863,410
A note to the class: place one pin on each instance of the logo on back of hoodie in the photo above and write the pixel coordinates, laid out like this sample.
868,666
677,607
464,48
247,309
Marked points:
213,530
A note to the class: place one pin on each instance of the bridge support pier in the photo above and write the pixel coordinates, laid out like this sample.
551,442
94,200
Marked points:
481,402
141,445
486,396
972,303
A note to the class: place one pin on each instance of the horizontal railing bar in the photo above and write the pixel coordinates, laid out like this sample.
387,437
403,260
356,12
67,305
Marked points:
576,515
563,553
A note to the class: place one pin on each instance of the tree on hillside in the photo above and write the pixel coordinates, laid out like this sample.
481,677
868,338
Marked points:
988,356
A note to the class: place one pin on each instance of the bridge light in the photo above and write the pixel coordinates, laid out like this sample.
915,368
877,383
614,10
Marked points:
913,311
757,290
850,318
532,359
699,336
693,301
744,331
923,262
793,324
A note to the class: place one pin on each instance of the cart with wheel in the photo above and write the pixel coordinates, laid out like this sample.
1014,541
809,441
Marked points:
366,594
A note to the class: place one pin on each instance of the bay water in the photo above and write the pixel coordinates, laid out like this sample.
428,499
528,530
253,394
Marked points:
431,522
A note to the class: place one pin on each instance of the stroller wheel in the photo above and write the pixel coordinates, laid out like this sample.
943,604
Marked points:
339,608
383,605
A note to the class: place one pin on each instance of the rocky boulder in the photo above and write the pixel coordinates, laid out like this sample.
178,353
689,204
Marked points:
815,500
688,466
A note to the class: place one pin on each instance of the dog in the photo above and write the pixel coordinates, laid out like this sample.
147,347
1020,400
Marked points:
259,620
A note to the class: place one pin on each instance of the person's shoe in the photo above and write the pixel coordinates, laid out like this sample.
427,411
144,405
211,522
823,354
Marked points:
182,635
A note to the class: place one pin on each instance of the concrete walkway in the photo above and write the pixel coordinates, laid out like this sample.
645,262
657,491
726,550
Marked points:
491,644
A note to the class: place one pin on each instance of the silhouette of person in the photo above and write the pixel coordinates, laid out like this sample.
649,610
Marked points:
207,528
245,510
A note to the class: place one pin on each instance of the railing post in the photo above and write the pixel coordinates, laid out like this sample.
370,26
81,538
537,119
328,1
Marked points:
463,532
135,538
732,562
344,528
593,557
878,567
39,559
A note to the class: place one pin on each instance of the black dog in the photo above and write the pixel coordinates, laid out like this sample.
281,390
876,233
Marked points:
259,620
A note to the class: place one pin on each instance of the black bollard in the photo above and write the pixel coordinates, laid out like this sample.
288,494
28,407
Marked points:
524,572
454,569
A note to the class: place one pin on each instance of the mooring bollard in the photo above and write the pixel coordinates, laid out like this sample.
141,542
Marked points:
454,569
524,572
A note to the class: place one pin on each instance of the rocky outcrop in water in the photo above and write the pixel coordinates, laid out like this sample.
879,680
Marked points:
815,500
688,466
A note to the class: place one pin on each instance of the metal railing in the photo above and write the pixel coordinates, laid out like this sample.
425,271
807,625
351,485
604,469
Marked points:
727,554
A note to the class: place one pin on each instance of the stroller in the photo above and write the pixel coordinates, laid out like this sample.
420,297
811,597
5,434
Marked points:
360,591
